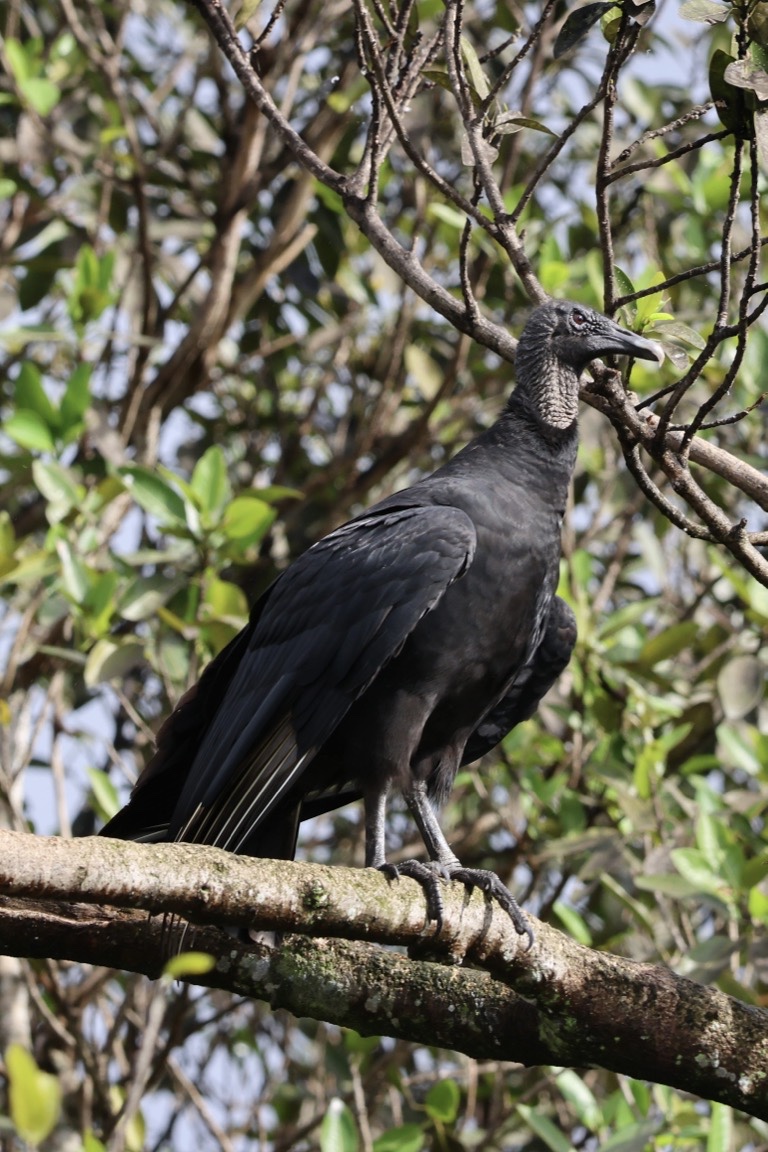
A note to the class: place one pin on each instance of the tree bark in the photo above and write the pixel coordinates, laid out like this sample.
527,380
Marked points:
556,1003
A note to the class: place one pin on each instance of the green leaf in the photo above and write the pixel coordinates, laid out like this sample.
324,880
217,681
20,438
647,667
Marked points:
694,867
34,1096
406,1138
447,215
153,494
29,392
708,838
579,1096
106,270
92,288
135,1132
729,101
59,487
439,76
632,1137
720,1134
513,122
737,749
443,1100
31,569
667,884
741,686
112,659
477,78
610,23
86,268
675,330
145,595
224,601
755,870
757,903
577,25
247,519
7,534
77,396
274,492
42,95
671,642
75,577
704,11
573,923
105,798
543,1127
210,483
248,9
29,430
189,964
20,59
625,285
100,601
648,306
745,74
92,1143
338,1131
707,961
173,658
360,1045
426,372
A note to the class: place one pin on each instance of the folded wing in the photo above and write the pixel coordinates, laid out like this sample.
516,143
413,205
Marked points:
241,744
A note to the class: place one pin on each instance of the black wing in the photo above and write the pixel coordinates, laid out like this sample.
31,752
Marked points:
531,685
147,815
316,640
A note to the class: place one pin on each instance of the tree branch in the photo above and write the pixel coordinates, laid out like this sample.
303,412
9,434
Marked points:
558,1003
662,443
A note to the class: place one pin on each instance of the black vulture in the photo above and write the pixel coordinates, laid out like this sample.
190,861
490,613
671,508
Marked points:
401,646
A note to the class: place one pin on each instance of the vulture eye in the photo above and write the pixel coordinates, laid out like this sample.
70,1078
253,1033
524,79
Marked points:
578,318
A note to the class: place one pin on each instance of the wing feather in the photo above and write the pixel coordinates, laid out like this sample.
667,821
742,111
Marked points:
530,685
324,630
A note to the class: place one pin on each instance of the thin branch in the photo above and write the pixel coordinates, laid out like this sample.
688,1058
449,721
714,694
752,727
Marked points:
532,40
667,158
655,133
610,397
487,333
689,274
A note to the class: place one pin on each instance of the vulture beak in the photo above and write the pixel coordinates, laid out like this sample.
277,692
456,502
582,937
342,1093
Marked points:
625,343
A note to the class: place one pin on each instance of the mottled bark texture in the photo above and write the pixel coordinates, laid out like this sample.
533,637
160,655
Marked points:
559,1003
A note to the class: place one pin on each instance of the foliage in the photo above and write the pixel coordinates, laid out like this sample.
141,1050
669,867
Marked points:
216,346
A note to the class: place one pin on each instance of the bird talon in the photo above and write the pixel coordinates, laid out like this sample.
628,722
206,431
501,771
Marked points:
491,886
428,876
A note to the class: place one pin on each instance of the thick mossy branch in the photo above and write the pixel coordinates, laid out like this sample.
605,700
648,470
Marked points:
558,1003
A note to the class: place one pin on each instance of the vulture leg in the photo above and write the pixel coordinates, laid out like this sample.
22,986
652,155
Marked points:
376,856
445,863
375,828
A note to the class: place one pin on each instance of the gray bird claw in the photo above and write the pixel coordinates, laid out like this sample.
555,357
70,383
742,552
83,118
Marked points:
428,875
489,883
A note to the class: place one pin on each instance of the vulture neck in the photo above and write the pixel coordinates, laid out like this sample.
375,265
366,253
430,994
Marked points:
547,386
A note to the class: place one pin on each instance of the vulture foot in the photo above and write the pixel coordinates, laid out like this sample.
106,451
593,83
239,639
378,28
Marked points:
489,883
428,875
